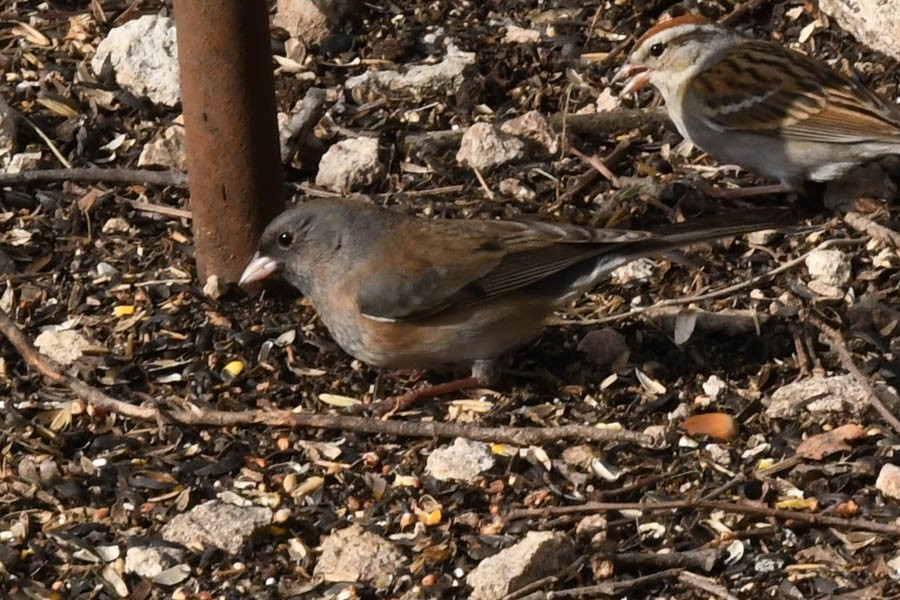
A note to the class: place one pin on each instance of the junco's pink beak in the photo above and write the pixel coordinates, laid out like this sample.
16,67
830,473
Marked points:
258,269
639,75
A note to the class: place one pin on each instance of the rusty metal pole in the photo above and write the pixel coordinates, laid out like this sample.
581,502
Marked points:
233,161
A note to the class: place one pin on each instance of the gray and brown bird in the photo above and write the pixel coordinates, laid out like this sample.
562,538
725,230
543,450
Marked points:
403,292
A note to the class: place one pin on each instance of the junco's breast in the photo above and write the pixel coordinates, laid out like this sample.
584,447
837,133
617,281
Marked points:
456,336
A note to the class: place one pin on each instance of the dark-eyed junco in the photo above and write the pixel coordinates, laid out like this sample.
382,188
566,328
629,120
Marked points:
404,292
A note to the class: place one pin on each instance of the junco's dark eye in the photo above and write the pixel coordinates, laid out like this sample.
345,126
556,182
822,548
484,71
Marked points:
285,239
657,49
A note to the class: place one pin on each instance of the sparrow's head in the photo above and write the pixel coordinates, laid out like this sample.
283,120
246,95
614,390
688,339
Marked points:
671,52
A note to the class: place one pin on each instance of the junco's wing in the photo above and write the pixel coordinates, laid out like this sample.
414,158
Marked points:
432,265
763,87
461,263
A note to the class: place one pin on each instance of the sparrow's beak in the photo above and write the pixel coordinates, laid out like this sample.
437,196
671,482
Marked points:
258,269
639,78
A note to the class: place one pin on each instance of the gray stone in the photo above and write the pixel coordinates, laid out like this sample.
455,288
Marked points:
165,150
838,394
540,554
484,147
65,346
829,266
875,23
144,56
218,524
534,128
309,20
150,561
350,165
353,554
440,78
461,461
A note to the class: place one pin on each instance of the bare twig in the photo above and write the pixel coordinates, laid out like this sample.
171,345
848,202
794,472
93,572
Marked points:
866,225
610,121
597,163
59,155
728,507
101,402
96,175
705,584
741,10
839,345
607,588
704,559
169,211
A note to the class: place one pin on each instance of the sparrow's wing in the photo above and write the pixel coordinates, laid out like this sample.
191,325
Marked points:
763,87
438,265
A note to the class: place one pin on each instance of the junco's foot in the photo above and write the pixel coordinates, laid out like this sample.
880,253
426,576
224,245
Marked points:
403,292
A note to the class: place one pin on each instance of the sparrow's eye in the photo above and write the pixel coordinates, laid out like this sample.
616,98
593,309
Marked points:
285,239
657,49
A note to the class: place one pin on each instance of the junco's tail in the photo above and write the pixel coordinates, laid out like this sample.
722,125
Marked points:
585,275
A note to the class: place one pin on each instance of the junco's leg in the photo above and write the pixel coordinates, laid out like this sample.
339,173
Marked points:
484,372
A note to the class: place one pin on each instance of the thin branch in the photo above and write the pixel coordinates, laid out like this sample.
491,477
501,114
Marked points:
839,345
874,230
728,507
610,121
96,175
101,402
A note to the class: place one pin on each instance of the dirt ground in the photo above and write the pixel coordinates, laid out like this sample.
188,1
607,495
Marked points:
79,488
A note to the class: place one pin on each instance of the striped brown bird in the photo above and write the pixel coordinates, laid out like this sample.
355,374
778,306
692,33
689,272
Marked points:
754,103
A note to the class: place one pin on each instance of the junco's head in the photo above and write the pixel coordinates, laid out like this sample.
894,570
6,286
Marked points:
404,292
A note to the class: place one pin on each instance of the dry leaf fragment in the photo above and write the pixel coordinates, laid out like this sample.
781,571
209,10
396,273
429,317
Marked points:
337,400
830,442
685,322
30,34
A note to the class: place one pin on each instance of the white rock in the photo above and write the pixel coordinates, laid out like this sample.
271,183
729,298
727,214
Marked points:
150,561
838,394
24,161
540,554
636,270
166,150
461,461
144,56
888,482
875,23
713,386
116,225
829,266
443,77
65,347
350,165
762,237
353,554
309,20
484,147
519,35
533,127
514,188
